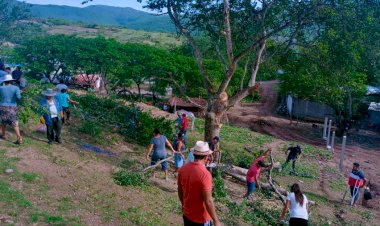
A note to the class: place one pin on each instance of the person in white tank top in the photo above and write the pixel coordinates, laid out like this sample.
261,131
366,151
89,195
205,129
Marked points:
298,205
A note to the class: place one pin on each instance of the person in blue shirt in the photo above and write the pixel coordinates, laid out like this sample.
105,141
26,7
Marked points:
9,95
360,175
51,116
158,144
64,101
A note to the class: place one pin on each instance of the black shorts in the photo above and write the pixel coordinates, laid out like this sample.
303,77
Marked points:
298,222
188,222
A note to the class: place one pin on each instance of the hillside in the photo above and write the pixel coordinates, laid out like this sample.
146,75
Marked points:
159,39
105,15
70,185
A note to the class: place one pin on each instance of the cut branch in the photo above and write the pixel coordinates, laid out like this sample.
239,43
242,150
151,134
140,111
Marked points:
187,98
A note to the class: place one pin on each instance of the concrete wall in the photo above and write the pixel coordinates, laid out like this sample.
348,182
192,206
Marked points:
374,117
309,109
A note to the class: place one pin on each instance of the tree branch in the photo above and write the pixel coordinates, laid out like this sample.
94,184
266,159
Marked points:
188,99
227,27
198,56
270,180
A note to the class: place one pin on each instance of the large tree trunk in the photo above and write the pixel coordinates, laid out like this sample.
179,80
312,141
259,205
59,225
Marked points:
213,118
212,127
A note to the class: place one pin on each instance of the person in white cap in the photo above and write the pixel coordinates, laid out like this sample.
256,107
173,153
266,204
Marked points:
195,189
9,95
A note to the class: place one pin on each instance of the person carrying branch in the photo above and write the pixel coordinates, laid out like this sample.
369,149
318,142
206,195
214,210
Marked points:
254,173
298,205
195,189
158,144
293,155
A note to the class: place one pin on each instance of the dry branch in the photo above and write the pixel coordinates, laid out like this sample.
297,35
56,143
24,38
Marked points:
270,180
157,164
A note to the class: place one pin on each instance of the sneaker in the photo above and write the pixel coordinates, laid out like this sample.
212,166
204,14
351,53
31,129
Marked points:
50,142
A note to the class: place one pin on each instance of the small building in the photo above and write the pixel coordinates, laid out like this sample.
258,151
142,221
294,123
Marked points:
374,115
177,103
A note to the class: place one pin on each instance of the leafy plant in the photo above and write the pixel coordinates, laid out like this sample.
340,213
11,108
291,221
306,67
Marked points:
218,191
126,178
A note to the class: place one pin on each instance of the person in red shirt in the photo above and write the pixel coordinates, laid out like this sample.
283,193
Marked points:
195,189
185,124
254,173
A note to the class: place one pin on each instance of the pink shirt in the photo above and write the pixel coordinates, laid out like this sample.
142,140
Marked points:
254,170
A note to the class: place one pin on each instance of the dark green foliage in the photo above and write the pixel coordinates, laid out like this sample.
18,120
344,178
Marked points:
91,128
131,121
218,191
126,178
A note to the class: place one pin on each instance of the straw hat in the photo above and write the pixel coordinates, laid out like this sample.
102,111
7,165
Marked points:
7,78
49,93
201,148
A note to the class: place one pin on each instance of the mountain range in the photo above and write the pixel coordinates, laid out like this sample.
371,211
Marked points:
105,15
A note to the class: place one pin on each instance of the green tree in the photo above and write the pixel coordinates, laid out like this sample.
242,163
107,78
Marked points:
48,54
239,30
336,68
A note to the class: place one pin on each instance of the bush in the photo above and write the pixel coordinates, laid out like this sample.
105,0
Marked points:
218,191
126,178
136,125
91,128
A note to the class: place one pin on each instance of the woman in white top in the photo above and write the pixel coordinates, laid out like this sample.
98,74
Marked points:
297,202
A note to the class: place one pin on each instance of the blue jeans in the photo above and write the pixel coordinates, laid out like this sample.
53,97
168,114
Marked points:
251,187
154,160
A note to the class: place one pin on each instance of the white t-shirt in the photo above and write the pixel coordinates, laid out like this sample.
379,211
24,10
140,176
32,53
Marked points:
296,210
53,110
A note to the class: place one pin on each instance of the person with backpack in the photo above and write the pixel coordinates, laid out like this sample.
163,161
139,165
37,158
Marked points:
298,204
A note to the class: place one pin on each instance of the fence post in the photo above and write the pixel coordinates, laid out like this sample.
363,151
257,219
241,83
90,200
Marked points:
329,135
332,141
325,128
342,153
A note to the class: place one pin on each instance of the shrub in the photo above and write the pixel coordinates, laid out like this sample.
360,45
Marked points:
126,178
136,125
218,191
91,128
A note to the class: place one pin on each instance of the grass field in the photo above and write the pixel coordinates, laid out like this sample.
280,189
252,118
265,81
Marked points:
165,40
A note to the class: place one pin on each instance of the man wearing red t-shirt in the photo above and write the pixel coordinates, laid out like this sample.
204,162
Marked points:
254,173
185,124
195,189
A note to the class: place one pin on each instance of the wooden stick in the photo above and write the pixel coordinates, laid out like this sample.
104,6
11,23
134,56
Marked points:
157,164
279,194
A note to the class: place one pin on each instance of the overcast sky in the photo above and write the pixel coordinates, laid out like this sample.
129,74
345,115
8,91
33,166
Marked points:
122,3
